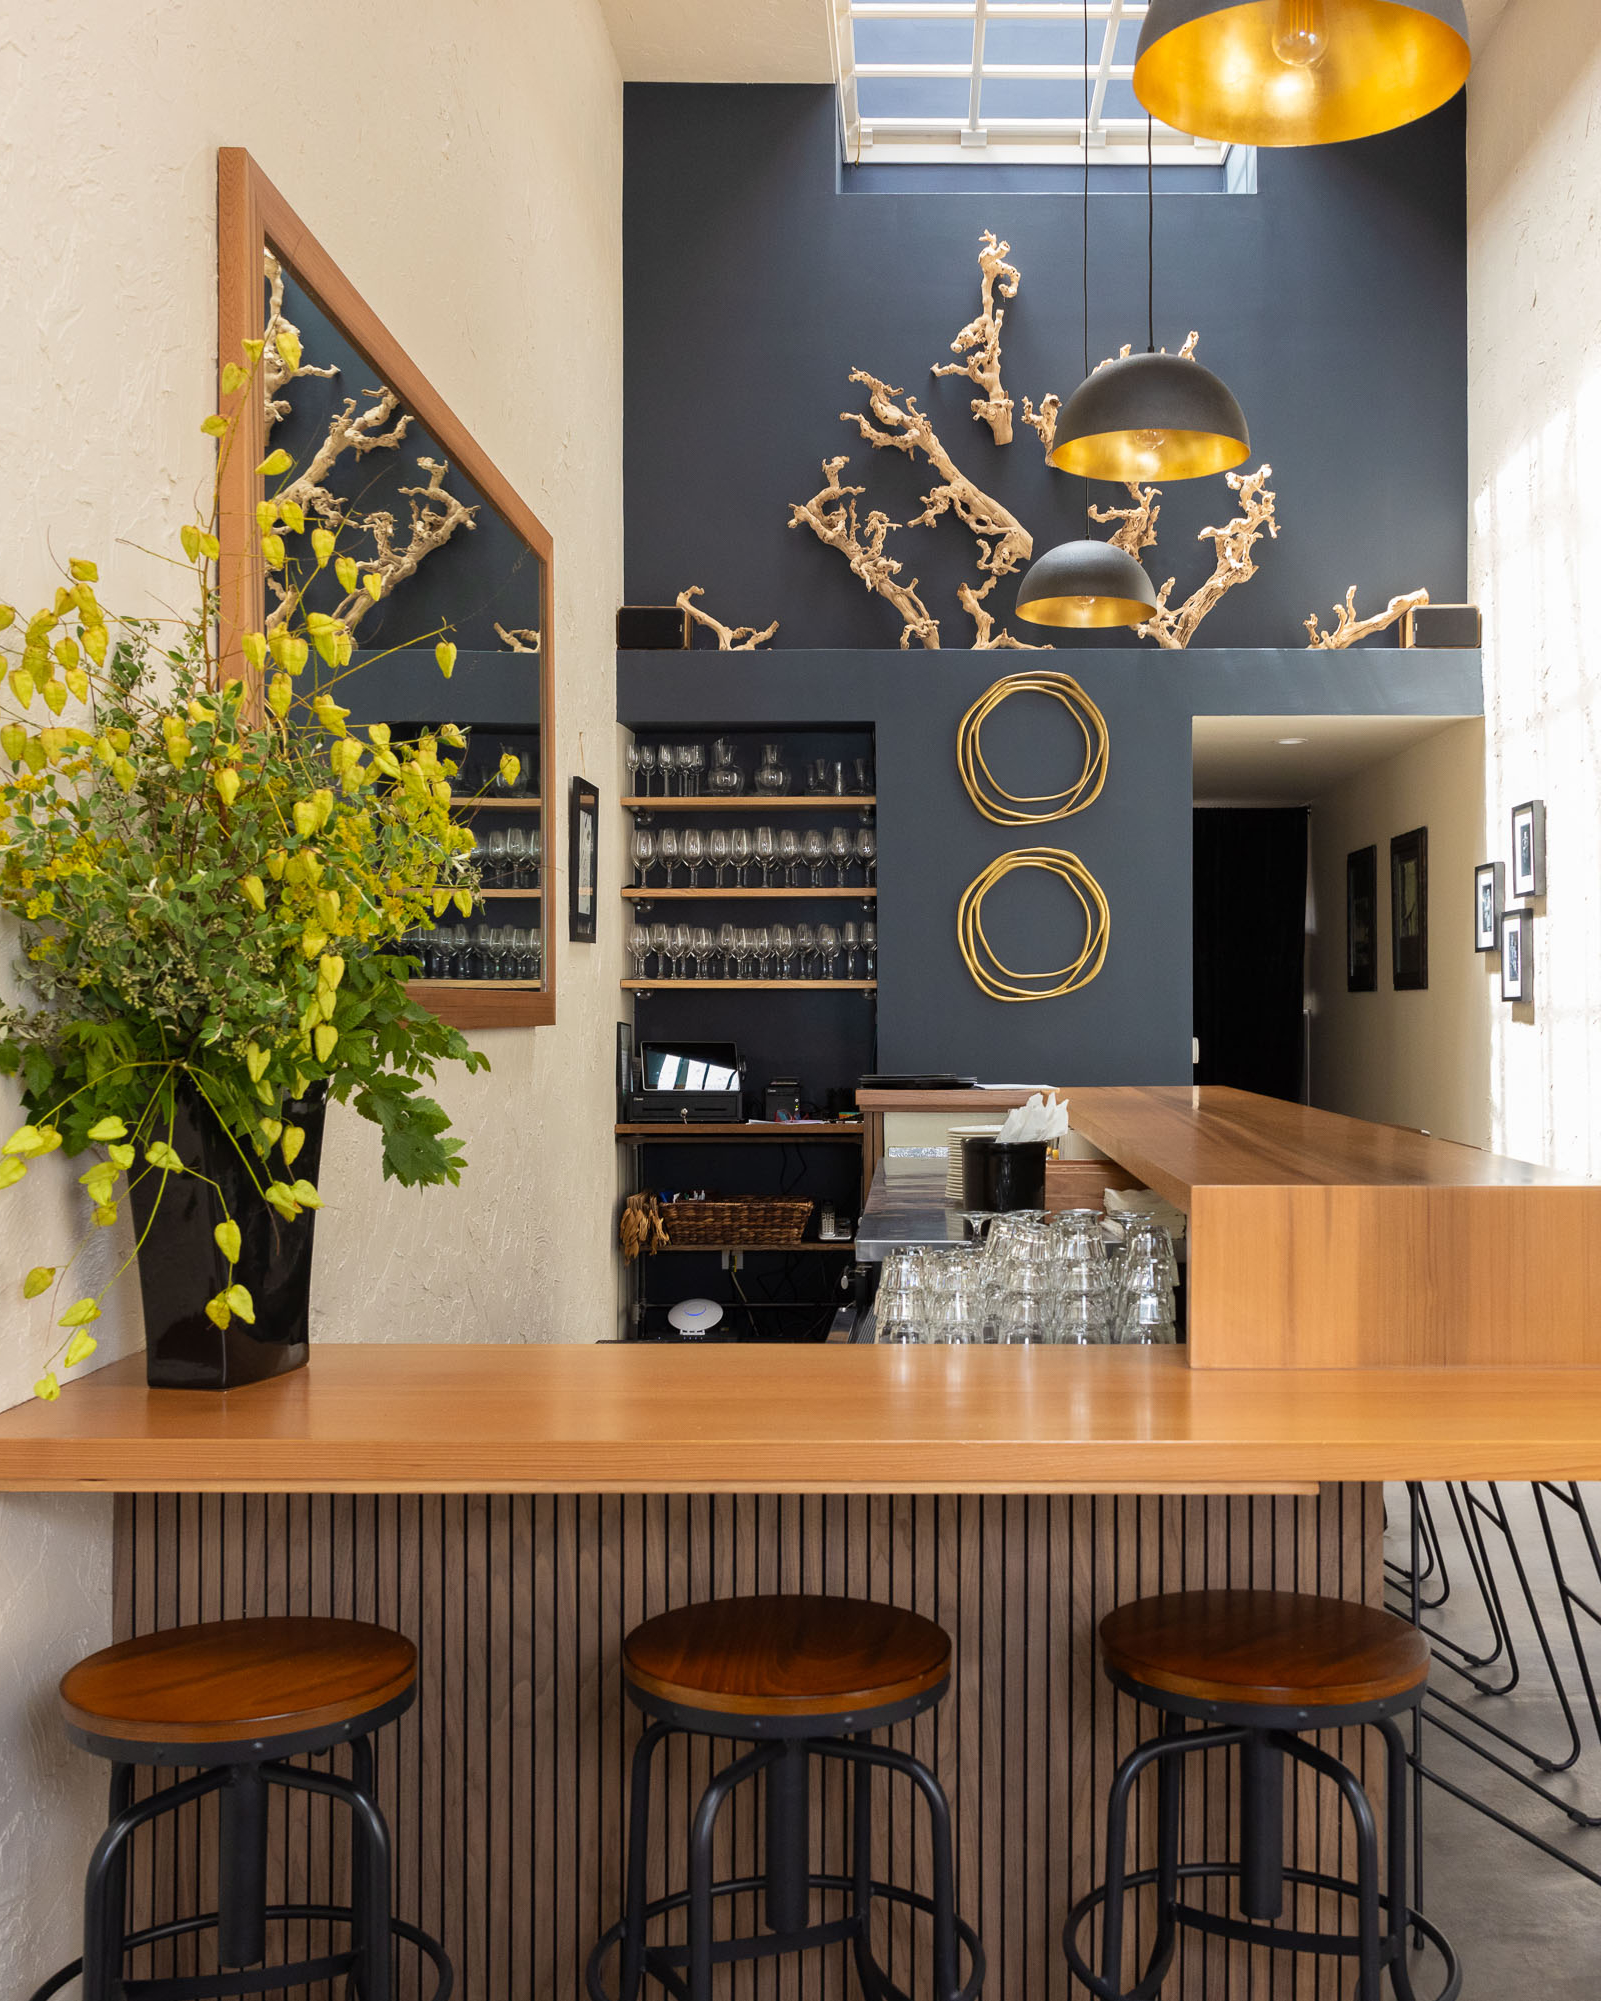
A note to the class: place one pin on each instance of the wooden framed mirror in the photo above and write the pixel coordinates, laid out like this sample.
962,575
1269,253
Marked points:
462,558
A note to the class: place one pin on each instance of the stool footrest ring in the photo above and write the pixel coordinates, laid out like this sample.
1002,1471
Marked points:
1245,1931
664,1962
229,1986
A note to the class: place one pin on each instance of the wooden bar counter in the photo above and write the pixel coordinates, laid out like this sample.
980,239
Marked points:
646,1418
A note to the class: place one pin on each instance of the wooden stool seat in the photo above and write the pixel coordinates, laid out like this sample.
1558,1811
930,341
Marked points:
237,1680
787,1656
1278,1649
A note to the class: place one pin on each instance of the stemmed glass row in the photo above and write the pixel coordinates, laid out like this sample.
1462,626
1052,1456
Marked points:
732,854
761,952
684,770
509,858
477,952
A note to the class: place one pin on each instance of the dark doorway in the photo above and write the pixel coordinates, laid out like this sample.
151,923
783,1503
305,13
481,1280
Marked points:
1250,947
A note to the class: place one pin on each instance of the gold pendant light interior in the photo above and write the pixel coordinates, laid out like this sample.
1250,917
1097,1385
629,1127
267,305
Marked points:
1299,72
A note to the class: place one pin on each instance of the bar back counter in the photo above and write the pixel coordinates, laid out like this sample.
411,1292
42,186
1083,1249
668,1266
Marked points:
1365,1304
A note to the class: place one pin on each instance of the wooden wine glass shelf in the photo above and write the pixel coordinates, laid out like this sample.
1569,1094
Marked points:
525,805
745,895
786,1132
752,986
846,1244
426,990
754,802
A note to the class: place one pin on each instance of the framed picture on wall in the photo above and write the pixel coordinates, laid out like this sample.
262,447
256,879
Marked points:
583,837
1489,901
1409,910
1517,955
1528,848
1362,921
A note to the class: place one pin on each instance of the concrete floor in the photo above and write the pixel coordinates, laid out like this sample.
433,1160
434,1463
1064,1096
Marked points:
1525,1928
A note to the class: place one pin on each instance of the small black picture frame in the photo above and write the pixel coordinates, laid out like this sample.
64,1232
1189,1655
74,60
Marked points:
583,848
1528,848
1517,955
1489,901
1362,921
1409,911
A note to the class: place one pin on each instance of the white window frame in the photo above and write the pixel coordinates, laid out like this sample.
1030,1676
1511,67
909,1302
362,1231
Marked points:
978,141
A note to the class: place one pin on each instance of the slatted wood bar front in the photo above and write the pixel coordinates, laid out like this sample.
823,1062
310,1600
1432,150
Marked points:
506,1784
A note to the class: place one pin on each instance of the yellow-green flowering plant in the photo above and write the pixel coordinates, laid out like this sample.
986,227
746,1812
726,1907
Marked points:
213,877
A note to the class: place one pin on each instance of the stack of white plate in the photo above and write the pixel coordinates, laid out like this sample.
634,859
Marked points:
953,1158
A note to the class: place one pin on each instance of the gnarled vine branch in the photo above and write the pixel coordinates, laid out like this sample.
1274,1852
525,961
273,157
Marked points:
1138,530
831,516
730,638
988,639
520,638
275,368
1348,628
980,339
1235,564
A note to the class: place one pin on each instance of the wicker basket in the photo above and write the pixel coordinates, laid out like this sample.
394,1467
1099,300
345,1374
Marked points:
746,1219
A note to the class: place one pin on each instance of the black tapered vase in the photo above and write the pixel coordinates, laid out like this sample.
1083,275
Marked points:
181,1265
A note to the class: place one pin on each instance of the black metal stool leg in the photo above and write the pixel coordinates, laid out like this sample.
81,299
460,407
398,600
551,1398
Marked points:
632,1944
700,1862
242,1870
1261,1827
117,1871
787,1898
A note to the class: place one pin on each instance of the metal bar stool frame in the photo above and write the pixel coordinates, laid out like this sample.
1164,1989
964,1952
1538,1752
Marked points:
239,1773
1265,1736
782,1748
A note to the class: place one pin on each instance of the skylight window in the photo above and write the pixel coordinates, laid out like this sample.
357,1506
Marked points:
996,82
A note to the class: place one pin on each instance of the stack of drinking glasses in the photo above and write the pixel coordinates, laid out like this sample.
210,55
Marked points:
1028,1279
753,857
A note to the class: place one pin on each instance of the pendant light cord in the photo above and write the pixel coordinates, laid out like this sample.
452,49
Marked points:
1085,135
1150,242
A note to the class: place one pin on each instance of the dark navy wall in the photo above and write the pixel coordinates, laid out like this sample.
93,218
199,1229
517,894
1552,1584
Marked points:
1333,302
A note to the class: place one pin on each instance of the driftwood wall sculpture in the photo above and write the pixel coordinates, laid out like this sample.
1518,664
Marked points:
730,638
1348,628
831,516
1234,563
435,514
980,339
520,638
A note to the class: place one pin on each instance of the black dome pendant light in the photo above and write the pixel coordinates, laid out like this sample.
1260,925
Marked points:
1150,416
1299,72
1087,583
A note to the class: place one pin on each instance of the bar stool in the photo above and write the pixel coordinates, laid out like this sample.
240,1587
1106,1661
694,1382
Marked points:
797,1678
1257,1669
232,1701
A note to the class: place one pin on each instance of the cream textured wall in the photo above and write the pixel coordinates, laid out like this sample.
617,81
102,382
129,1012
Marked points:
1534,439
464,165
1407,1058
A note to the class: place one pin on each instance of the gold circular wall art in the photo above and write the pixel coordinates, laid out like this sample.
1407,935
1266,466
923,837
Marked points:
999,980
1027,809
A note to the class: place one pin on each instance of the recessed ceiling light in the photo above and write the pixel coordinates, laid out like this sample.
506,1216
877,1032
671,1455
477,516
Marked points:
1287,740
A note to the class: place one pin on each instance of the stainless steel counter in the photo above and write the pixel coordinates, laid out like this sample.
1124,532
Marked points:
906,1205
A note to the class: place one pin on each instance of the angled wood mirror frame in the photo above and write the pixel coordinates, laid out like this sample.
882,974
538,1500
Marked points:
253,219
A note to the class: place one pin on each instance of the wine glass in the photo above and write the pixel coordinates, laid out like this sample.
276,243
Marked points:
702,944
642,846
659,937
683,939
842,849
805,946
646,756
631,759
518,874
696,753
727,950
784,946
766,851
692,847
815,850
847,939
870,949
828,948
638,946
494,865
789,854
739,853
717,848
667,851
867,853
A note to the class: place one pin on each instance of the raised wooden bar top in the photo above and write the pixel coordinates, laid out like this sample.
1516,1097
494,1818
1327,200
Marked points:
649,1418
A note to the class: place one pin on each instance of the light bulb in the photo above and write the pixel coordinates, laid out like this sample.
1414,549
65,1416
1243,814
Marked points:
1300,34
1150,441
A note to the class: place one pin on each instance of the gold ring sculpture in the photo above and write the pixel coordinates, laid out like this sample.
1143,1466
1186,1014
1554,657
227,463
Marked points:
1009,809
1000,981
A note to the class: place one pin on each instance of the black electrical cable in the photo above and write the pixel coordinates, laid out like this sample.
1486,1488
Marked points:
1085,136
1150,243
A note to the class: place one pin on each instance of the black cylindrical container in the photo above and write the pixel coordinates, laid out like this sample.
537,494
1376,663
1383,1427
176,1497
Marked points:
1001,1178
181,1265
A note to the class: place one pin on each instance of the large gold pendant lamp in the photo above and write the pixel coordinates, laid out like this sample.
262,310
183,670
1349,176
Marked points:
1298,72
